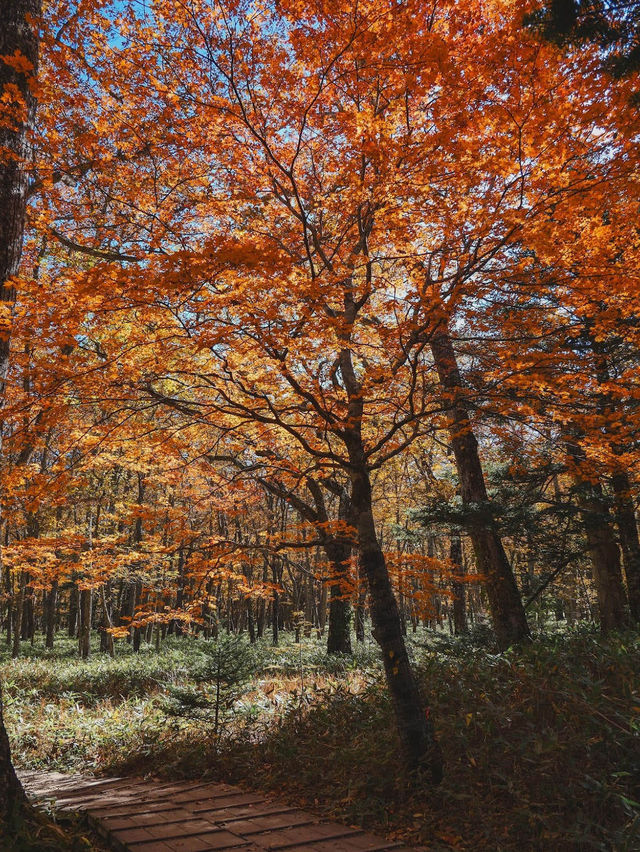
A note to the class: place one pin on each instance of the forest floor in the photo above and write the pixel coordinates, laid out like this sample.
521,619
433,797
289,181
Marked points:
542,746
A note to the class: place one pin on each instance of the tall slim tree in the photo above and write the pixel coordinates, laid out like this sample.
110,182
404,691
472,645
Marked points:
18,67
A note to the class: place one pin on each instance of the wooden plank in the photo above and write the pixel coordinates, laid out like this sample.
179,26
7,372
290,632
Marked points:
304,835
260,823
218,840
160,817
219,804
228,816
149,816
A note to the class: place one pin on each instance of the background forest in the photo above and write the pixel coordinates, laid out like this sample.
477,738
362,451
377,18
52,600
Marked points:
321,414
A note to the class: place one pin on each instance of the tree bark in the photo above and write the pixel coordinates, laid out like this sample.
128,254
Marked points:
507,611
50,615
84,634
420,748
605,556
16,35
628,531
415,727
458,588
339,635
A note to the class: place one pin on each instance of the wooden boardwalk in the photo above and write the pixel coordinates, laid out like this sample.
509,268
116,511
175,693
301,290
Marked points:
137,815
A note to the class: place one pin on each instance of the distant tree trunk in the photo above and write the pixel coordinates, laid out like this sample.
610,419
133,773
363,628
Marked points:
50,616
177,625
84,633
601,542
16,36
72,624
339,635
28,617
361,596
507,611
18,612
628,531
458,588
624,512
106,637
338,553
260,617
275,604
250,623
136,632
605,556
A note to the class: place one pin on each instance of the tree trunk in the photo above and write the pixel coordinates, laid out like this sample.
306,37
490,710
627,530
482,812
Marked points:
84,634
458,588
507,611
412,714
605,556
16,36
72,624
18,611
339,636
50,617
628,531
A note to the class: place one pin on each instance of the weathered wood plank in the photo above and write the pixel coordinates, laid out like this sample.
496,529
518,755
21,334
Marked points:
137,815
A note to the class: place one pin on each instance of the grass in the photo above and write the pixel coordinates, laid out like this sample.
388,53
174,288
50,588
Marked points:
542,747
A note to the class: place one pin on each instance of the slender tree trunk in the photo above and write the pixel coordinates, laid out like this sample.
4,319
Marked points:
275,605
605,556
458,588
361,599
72,624
507,611
628,531
84,634
412,714
601,542
338,553
50,625
19,614
339,635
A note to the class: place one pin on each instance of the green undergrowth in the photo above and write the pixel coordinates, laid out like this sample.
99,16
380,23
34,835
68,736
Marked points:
542,746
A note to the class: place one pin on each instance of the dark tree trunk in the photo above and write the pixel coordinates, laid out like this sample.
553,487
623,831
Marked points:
507,611
50,616
360,611
16,36
458,588
415,727
72,624
628,531
605,556
339,636
601,542
250,624
412,713
338,553
84,633
18,611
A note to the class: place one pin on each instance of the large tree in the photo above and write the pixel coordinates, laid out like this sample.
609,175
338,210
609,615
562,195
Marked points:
18,67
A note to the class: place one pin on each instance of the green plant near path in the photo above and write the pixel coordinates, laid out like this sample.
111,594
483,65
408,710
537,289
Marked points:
220,678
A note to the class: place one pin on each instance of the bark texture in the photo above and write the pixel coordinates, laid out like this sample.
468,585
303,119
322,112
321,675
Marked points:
16,34
505,603
605,556
628,531
415,727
